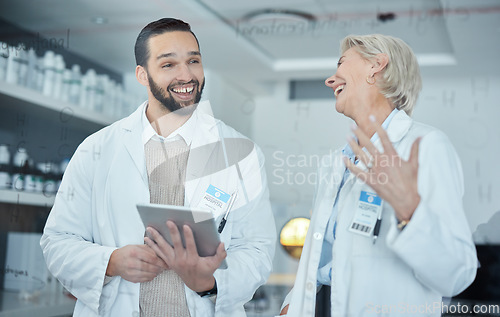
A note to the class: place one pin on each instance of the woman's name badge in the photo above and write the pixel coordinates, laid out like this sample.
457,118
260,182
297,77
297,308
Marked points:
365,218
214,200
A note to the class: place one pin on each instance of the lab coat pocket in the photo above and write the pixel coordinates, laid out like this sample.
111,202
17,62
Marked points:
108,296
384,285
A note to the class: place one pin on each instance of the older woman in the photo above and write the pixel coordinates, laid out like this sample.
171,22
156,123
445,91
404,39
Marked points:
388,230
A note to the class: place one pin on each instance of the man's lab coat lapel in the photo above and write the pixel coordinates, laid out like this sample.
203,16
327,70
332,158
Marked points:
132,139
205,148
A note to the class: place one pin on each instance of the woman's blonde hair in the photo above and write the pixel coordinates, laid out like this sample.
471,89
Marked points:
401,82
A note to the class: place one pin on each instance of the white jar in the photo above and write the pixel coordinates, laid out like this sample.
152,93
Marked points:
30,182
18,181
4,154
49,187
20,157
39,182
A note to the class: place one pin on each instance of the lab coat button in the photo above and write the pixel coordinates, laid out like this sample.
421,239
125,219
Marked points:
309,286
318,236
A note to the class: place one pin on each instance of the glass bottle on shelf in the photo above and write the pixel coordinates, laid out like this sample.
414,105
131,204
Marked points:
20,157
12,70
50,179
32,74
59,67
76,83
22,59
91,97
83,92
19,161
48,73
4,56
39,71
17,178
5,170
109,106
29,176
66,85
100,89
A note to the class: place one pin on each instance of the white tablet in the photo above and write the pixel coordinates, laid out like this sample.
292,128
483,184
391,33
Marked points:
201,223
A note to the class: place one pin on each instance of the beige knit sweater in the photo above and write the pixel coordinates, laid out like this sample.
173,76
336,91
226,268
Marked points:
166,164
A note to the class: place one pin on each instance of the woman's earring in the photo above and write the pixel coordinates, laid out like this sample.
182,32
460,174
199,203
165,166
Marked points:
372,78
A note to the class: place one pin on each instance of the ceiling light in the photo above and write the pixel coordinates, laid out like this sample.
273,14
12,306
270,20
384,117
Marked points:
302,64
99,20
270,14
384,17
305,64
440,59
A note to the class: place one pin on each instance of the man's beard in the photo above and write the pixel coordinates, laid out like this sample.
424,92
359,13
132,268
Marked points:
169,102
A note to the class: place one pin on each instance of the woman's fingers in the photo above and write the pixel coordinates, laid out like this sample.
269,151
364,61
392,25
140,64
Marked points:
384,138
365,141
366,158
359,173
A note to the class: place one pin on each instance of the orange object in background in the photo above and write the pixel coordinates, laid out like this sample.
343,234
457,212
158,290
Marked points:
293,235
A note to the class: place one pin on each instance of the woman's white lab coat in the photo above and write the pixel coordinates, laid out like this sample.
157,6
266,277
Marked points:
403,273
95,213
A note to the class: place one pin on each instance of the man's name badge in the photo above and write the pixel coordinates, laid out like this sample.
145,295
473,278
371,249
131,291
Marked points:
365,218
215,199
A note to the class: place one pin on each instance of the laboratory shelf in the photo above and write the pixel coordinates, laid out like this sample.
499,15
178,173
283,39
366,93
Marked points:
46,304
10,196
34,102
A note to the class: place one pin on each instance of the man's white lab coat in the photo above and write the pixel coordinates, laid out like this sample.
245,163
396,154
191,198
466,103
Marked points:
403,273
95,212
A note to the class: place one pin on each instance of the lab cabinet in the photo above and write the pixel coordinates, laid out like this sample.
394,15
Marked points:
48,129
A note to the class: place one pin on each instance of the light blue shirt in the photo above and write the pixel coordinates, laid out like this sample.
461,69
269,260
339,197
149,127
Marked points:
324,275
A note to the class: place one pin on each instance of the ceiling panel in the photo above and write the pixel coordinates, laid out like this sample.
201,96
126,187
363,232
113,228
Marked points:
420,23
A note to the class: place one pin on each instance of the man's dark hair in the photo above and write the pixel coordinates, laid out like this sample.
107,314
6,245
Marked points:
156,28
